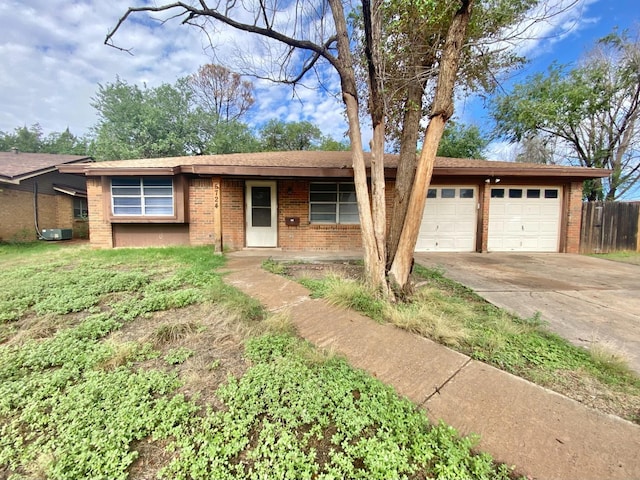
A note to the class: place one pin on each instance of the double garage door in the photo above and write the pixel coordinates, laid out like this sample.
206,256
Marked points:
521,218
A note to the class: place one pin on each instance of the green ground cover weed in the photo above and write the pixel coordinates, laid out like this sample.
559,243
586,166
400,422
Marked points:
88,376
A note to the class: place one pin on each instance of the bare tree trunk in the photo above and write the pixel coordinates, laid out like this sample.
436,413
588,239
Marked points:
373,258
406,164
373,32
441,112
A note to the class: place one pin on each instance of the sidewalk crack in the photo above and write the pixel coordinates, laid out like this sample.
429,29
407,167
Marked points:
437,388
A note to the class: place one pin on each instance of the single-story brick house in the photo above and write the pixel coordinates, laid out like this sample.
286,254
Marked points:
35,195
306,201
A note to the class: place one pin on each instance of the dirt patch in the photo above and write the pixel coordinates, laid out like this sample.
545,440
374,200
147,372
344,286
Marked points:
596,395
317,271
214,337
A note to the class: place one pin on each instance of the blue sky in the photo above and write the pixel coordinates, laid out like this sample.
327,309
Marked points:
53,59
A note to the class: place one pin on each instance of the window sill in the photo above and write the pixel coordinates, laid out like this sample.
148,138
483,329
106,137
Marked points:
335,226
144,219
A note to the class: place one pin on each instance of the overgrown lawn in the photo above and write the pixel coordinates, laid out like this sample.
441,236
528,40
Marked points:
143,363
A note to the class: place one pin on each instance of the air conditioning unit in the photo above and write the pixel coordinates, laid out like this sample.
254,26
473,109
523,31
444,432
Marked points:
57,233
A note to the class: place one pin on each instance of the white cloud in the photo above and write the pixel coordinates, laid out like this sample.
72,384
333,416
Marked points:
546,25
54,57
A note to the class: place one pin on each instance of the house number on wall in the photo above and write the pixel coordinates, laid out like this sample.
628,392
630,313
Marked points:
216,195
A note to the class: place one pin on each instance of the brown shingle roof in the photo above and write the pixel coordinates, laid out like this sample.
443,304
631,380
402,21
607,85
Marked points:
17,166
315,163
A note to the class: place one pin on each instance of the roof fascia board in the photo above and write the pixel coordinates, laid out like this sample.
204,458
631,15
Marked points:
19,178
94,169
230,170
129,172
575,172
70,192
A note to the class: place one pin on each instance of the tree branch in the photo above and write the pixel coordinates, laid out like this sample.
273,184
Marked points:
192,12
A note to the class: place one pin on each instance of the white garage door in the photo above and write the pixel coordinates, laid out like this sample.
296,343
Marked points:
524,218
449,221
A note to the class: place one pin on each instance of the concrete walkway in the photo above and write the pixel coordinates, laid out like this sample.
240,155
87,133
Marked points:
544,434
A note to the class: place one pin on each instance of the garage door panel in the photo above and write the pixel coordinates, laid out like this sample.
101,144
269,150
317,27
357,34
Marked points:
532,209
449,221
513,208
530,223
447,208
548,227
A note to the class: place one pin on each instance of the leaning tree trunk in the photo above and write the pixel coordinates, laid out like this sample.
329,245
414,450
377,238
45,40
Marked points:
374,258
441,112
407,162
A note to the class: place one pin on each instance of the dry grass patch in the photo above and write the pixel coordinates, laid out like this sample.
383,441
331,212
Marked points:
609,356
35,327
427,322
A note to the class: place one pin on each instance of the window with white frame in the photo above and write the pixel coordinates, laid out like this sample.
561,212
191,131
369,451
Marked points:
151,196
333,203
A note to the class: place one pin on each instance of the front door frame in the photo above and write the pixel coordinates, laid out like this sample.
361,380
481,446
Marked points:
261,236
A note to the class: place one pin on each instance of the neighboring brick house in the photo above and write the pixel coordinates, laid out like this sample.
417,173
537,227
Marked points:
306,201
34,195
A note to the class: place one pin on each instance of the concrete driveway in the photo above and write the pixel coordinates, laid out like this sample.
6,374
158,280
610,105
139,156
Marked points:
584,299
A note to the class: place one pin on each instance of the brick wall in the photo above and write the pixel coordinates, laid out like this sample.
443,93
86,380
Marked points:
573,217
232,205
201,211
17,222
16,215
64,211
100,231
485,199
293,201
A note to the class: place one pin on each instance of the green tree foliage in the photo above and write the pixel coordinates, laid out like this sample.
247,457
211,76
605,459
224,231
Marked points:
146,122
589,113
233,137
462,141
170,120
277,135
164,121
32,140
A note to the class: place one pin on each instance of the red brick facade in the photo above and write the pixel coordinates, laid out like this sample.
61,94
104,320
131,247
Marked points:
573,217
293,201
201,211
232,205
216,216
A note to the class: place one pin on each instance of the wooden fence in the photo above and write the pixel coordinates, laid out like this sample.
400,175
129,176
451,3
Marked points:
610,227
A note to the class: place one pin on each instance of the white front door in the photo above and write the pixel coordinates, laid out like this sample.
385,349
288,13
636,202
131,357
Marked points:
262,214
524,218
449,221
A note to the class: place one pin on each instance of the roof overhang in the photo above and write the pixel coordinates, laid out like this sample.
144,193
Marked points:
16,180
486,170
491,172
69,190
